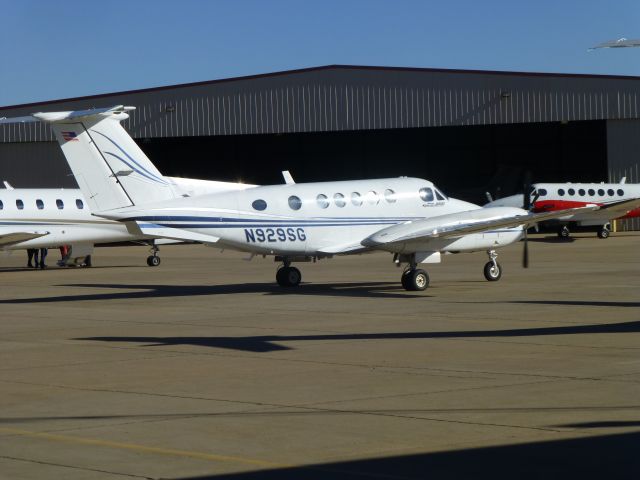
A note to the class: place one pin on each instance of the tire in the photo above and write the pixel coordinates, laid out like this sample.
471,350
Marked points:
288,277
564,232
415,280
604,233
491,273
153,261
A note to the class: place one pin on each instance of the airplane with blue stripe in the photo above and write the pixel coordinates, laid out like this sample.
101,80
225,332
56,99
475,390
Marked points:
411,218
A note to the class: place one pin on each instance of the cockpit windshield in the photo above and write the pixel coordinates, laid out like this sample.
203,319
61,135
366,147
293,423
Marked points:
439,195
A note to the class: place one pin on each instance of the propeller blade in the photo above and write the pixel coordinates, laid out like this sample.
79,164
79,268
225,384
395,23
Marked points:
527,191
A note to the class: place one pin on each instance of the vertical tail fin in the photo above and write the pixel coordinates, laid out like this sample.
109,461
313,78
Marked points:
110,168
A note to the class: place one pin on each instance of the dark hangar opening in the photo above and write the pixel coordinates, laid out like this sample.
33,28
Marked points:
464,161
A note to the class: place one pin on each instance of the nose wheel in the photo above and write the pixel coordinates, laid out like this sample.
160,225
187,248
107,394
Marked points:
492,269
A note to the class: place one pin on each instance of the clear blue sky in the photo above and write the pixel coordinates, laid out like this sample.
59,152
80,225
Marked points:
52,49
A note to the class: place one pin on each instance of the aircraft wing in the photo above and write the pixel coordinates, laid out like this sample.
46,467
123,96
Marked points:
619,208
161,231
11,237
607,211
432,228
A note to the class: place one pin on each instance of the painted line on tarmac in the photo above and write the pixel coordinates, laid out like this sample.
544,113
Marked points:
212,457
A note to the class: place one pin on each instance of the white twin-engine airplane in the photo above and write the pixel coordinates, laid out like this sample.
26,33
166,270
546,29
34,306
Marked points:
49,218
408,217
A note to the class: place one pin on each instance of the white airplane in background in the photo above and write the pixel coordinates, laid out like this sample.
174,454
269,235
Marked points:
549,197
408,217
49,218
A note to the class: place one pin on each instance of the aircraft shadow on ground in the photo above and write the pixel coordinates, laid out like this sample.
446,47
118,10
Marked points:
270,343
605,456
364,290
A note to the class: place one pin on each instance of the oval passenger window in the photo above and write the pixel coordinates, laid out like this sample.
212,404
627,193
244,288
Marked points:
339,200
390,196
356,199
79,204
295,203
259,205
322,201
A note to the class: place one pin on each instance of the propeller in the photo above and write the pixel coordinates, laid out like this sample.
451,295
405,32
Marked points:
527,206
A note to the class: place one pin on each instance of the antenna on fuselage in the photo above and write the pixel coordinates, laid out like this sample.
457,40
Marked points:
288,179
7,185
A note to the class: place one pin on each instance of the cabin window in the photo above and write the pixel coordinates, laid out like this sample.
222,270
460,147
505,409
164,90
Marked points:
39,204
611,192
601,192
339,200
591,192
561,192
259,204
571,191
356,199
581,192
426,194
295,203
1,205
19,204
79,204
390,196
322,201
620,193
372,198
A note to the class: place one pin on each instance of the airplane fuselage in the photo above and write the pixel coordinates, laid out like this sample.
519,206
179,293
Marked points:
320,218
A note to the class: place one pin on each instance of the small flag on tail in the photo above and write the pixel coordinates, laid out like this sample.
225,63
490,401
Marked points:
69,136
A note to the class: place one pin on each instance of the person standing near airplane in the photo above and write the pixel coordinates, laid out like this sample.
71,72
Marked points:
43,256
31,253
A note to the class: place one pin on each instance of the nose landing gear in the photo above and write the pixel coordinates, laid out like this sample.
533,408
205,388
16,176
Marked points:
492,269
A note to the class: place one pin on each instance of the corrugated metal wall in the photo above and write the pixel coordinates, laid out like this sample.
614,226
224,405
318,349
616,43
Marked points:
623,155
351,98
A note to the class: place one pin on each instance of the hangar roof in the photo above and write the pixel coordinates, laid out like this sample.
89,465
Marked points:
344,97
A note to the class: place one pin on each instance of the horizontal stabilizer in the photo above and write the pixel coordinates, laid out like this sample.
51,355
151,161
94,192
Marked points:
11,237
160,231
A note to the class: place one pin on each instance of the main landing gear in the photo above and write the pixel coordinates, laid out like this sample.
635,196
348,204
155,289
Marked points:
153,260
603,232
414,279
564,232
288,276
492,269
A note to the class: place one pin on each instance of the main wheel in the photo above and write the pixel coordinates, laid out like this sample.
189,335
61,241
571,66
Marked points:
564,232
288,277
415,280
153,260
603,233
492,272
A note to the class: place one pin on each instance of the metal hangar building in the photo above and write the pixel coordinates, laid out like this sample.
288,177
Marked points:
468,131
